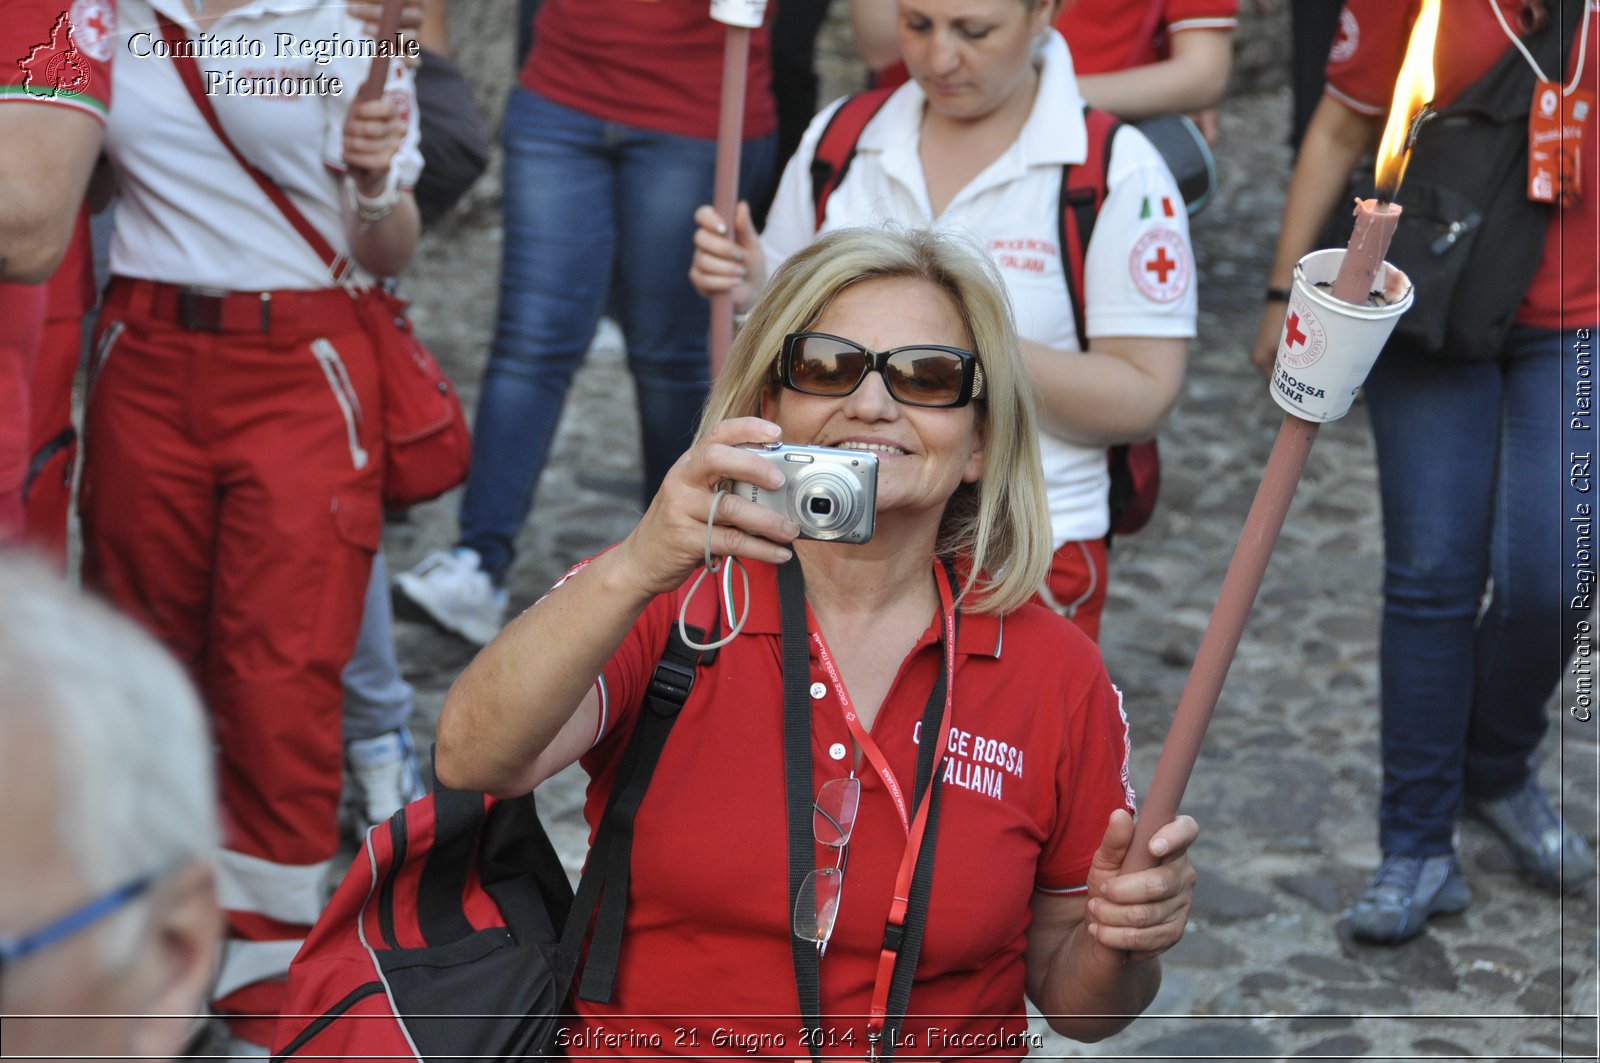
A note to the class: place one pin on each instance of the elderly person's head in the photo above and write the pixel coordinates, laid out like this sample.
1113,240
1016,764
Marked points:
997,523
107,905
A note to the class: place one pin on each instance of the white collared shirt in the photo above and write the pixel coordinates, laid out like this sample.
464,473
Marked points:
1012,209
188,213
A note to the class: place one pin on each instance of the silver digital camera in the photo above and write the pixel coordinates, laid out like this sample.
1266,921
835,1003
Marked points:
832,494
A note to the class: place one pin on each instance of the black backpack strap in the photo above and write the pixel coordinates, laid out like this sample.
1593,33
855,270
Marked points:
906,940
797,787
910,945
836,148
1504,92
458,824
604,885
927,754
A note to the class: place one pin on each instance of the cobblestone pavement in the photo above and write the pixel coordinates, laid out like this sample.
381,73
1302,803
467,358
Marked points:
1285,789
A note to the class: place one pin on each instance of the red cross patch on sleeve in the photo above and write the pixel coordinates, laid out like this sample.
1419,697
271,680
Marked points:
1347,40
1160,265
94,25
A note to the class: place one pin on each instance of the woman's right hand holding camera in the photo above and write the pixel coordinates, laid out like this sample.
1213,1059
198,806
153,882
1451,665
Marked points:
669,541
727,263
526,708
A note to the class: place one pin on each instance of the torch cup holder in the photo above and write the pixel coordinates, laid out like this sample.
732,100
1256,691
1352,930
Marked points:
1328,346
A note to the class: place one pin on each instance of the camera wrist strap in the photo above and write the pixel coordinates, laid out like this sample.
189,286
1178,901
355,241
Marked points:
902,942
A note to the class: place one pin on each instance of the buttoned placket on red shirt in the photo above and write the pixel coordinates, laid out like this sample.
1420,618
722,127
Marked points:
915,827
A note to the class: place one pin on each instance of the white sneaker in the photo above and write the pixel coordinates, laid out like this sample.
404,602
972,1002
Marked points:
452,589
383,772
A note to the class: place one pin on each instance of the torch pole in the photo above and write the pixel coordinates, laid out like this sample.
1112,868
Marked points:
378,69
1348,329
725,190
1221,638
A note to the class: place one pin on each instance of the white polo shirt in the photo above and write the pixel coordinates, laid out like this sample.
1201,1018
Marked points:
1139,272
281,75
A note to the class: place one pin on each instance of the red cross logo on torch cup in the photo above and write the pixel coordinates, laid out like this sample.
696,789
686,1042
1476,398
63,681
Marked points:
1304,340
1292,336
1160,265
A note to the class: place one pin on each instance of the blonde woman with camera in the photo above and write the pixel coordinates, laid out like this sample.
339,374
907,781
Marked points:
897,344
980,142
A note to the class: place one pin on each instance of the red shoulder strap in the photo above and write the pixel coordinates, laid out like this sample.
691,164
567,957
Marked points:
179,48
1083,190
837,145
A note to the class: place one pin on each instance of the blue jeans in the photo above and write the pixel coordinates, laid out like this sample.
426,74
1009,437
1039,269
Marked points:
587,203
377,698
1476,482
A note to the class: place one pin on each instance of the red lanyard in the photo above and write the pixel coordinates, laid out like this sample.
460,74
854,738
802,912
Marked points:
915,828
879,762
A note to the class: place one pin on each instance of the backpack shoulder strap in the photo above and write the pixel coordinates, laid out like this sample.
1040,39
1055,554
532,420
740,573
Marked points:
836,148
1083,190
604,886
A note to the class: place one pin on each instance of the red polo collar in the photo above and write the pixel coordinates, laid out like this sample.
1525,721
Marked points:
981,634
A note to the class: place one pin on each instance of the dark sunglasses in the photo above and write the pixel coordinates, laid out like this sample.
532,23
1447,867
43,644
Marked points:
922,374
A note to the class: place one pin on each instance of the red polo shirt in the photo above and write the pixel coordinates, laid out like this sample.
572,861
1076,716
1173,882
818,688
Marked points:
652,64
1038,761
1108,35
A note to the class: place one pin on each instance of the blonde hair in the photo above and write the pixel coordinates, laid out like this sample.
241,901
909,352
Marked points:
998,526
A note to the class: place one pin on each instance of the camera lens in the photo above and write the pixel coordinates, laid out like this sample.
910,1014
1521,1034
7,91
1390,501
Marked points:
824,503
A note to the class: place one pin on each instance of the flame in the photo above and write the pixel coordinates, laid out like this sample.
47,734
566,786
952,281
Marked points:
1413,91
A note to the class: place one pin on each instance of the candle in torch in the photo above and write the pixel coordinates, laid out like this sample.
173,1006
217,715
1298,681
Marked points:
1376,220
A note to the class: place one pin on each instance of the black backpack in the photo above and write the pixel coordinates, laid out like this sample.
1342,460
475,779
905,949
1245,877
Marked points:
455,934
1469,238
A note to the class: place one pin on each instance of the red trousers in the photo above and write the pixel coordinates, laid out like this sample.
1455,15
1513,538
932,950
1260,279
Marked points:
22,311
52,440
230,502
1076,586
